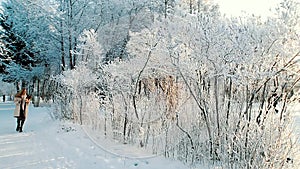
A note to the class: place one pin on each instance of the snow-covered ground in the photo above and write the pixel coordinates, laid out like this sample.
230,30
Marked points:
296,113
50,144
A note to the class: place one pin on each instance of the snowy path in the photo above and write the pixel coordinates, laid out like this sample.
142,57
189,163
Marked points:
48,144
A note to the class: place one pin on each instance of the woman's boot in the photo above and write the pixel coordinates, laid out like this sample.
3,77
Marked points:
18,125
21,127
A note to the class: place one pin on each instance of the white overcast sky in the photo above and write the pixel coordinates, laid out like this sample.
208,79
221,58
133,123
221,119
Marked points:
257,7
235,7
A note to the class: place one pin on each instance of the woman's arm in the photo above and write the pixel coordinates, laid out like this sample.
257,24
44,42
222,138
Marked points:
28,99
17,100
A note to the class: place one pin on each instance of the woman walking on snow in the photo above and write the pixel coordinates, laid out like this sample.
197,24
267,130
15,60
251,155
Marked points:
22,101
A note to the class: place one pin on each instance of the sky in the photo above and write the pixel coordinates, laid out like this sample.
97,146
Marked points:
257,7
235,7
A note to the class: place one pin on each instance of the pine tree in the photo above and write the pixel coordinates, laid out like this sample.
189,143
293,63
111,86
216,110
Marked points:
15,50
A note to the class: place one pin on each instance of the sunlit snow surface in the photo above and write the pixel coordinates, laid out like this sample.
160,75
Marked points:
51,144
295,110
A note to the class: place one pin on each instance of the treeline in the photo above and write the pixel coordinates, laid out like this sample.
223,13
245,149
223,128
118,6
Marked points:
173,77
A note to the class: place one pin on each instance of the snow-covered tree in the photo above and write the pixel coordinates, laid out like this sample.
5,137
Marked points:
230,74
26,38
78,92
174,77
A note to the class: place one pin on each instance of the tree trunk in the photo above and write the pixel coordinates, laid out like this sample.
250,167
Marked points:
80,109
228,102
191,7
62,50
70,18
36,93
17,86
62,46
125,127
216,92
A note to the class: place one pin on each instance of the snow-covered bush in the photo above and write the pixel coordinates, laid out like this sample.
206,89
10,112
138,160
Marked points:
77,92
196,87
233,84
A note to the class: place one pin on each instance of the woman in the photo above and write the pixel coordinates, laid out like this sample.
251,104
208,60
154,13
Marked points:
22,101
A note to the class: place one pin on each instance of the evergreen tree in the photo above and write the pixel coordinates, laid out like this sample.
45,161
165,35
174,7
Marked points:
15,50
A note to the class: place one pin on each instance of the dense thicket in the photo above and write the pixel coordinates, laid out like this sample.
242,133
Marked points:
173,77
